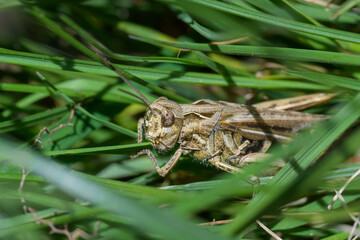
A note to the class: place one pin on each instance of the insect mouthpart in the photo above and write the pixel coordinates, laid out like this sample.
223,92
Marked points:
157,144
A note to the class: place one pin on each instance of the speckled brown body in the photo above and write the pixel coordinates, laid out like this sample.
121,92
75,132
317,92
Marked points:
224,134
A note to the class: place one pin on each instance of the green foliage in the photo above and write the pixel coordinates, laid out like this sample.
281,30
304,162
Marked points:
79,175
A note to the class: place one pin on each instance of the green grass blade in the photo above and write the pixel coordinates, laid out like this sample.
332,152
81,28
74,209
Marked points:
310,19
136,191
337,174
142,216
266,52
321,14
216,67
9,4
136,29
41,15
346,6
85,35
120,149
33,119
85,112
77,88
46,62
280,22
328,79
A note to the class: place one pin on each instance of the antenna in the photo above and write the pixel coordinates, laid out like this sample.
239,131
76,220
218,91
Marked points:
107,62
129,93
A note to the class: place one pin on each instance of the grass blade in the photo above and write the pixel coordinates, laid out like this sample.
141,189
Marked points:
142,216
266,52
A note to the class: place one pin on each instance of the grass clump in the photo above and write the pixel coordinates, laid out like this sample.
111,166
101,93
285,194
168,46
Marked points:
76,179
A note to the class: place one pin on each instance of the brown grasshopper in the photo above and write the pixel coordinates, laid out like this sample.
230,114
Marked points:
226,135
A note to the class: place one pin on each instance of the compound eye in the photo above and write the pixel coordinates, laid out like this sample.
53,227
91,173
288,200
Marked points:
167,118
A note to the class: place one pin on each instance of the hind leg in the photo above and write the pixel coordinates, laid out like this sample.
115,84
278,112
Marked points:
250,158
223,166
215,150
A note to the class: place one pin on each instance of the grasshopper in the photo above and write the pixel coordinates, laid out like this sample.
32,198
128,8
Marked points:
224,134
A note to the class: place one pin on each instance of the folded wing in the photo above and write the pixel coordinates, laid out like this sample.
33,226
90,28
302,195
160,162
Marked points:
265,124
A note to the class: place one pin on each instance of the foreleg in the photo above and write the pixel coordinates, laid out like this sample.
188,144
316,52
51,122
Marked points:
167,167
140,130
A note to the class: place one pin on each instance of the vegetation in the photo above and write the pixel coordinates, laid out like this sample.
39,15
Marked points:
68,132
